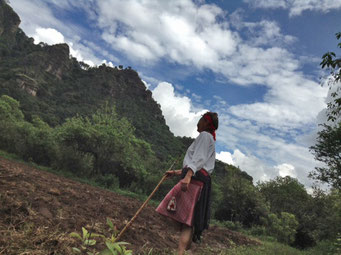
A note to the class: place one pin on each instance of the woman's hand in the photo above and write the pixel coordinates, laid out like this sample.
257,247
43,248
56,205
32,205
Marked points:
185,183
171,173
186,180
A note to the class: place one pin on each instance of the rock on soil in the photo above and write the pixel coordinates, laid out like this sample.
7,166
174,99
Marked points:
38,211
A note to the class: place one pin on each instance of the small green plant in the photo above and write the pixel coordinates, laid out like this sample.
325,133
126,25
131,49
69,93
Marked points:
88,242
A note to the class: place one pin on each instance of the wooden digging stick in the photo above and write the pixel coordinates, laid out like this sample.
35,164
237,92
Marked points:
144,204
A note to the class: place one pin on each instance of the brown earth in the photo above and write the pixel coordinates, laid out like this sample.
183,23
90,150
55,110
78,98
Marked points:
38,211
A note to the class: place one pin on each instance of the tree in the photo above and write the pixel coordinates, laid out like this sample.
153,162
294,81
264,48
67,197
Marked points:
10,117
286,194
240,200
328,151
104,144
325,210
328,146
333,64
283,227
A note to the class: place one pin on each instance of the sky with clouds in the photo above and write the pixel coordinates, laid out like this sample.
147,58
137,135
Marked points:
254,62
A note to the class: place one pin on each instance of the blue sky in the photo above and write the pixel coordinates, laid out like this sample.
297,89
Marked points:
255,62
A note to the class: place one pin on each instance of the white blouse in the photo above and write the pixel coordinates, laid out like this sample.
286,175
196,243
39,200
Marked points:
201,153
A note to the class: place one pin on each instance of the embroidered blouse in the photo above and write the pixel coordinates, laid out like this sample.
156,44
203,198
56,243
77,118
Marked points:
201,153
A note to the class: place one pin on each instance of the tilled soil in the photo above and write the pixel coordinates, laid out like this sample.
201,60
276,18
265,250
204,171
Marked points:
38,211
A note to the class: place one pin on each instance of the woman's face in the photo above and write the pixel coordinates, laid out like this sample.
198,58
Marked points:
202,124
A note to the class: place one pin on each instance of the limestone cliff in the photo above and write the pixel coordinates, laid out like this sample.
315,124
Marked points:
9,23
50,83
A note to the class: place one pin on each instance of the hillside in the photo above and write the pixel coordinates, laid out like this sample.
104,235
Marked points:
38,210
53,85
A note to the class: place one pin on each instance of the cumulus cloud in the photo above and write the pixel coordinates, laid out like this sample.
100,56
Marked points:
261,151
286,170
182,31
260,171
296,7
48,35
178,111
200,35
34,14
291,102
225,157
249,163
262,33
251,145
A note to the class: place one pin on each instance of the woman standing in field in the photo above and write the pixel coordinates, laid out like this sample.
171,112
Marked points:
189,201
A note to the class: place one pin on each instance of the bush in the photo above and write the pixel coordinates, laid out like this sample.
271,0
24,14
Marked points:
236,226
283,227
258,230
109,181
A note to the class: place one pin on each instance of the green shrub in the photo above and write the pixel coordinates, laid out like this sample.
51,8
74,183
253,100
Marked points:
109,181
258,230
236,226
283,227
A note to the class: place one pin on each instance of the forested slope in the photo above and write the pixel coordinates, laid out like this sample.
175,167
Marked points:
51,84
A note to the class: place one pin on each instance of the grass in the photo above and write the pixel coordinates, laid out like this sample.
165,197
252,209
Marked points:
273,248
70,175
270,247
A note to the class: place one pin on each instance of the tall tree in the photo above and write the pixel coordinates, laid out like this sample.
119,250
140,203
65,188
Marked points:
328,144
332,63
328,151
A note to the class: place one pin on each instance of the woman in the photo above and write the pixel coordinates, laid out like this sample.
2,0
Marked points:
189,201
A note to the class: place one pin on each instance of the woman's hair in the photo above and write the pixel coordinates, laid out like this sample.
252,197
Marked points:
214,117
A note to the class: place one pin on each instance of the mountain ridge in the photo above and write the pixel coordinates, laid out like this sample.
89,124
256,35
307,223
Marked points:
50,83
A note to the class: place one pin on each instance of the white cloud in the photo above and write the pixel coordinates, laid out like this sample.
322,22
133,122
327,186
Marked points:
225,157
296,7
235,134
48,35
182,31
34,14
261,151
286,170
199,35
252,165
178,111
264,33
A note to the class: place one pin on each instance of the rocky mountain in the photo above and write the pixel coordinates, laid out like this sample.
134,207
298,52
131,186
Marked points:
50,83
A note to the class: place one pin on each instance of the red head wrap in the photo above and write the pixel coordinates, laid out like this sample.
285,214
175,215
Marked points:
210,121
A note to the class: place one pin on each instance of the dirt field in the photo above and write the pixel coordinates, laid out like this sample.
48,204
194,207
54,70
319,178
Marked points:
38,211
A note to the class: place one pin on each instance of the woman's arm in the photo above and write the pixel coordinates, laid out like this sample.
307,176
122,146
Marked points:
186,180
